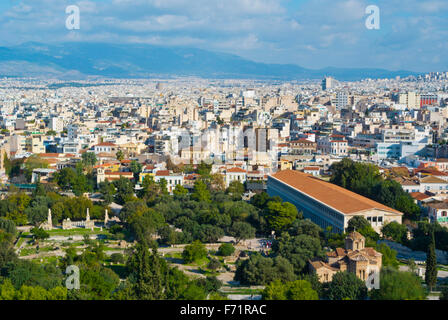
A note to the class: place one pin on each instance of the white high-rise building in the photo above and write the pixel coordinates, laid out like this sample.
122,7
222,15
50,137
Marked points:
56,124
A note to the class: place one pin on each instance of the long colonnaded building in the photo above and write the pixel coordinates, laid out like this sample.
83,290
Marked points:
327,204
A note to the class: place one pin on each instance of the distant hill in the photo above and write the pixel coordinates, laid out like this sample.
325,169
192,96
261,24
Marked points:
77,60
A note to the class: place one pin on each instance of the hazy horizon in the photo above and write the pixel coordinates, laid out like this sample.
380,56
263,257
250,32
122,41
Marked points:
412,36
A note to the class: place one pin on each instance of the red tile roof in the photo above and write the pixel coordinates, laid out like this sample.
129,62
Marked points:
163,173
341,199
419,196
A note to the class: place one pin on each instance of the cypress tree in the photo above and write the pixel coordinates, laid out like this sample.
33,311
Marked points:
431,264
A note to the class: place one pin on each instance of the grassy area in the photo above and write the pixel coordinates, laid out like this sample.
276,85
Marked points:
78,231
175,255
199,263
21,240
242,291
46,259
27,252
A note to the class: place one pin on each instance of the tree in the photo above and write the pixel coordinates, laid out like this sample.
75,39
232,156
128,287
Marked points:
259,270
204,169
226,249
117,258
89,159
125,190
7,290
242,231
8,225
346,286
236,190
7,252
200,192
107,191
146,274
65,177
260,200
150,190
275,290
361,225
444,295
136,168
301,290
143,226
305,226
431,264
295,290
298,249
120,155
395,231
398,285
389,258
179,191
217,182
39,233
98,283
194,252
280,215
213,264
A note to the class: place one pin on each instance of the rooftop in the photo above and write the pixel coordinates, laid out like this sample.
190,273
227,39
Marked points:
336,197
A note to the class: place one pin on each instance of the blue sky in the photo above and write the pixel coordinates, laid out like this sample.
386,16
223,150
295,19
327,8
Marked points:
310,33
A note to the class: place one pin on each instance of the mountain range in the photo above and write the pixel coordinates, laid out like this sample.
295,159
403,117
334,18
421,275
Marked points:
80,60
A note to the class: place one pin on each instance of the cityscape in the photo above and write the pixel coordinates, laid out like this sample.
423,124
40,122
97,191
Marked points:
133,170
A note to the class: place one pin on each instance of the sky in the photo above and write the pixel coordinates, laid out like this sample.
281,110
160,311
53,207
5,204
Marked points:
413,34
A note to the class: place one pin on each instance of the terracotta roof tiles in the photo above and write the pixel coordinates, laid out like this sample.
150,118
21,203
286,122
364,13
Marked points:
341,199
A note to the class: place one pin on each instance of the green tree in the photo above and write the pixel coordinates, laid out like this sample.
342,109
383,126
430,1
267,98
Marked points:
146,273
431,264
259,270
226,249
7,290
125,190
150,190
242,231
204,169
295,290
136,168
280,215
444,294
236,190
89,159
39,234
346,286
107,191
275,290
200,192
194,252
361,225
65,177
389,258
398,285
298,250
179,191
120,155
395,231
